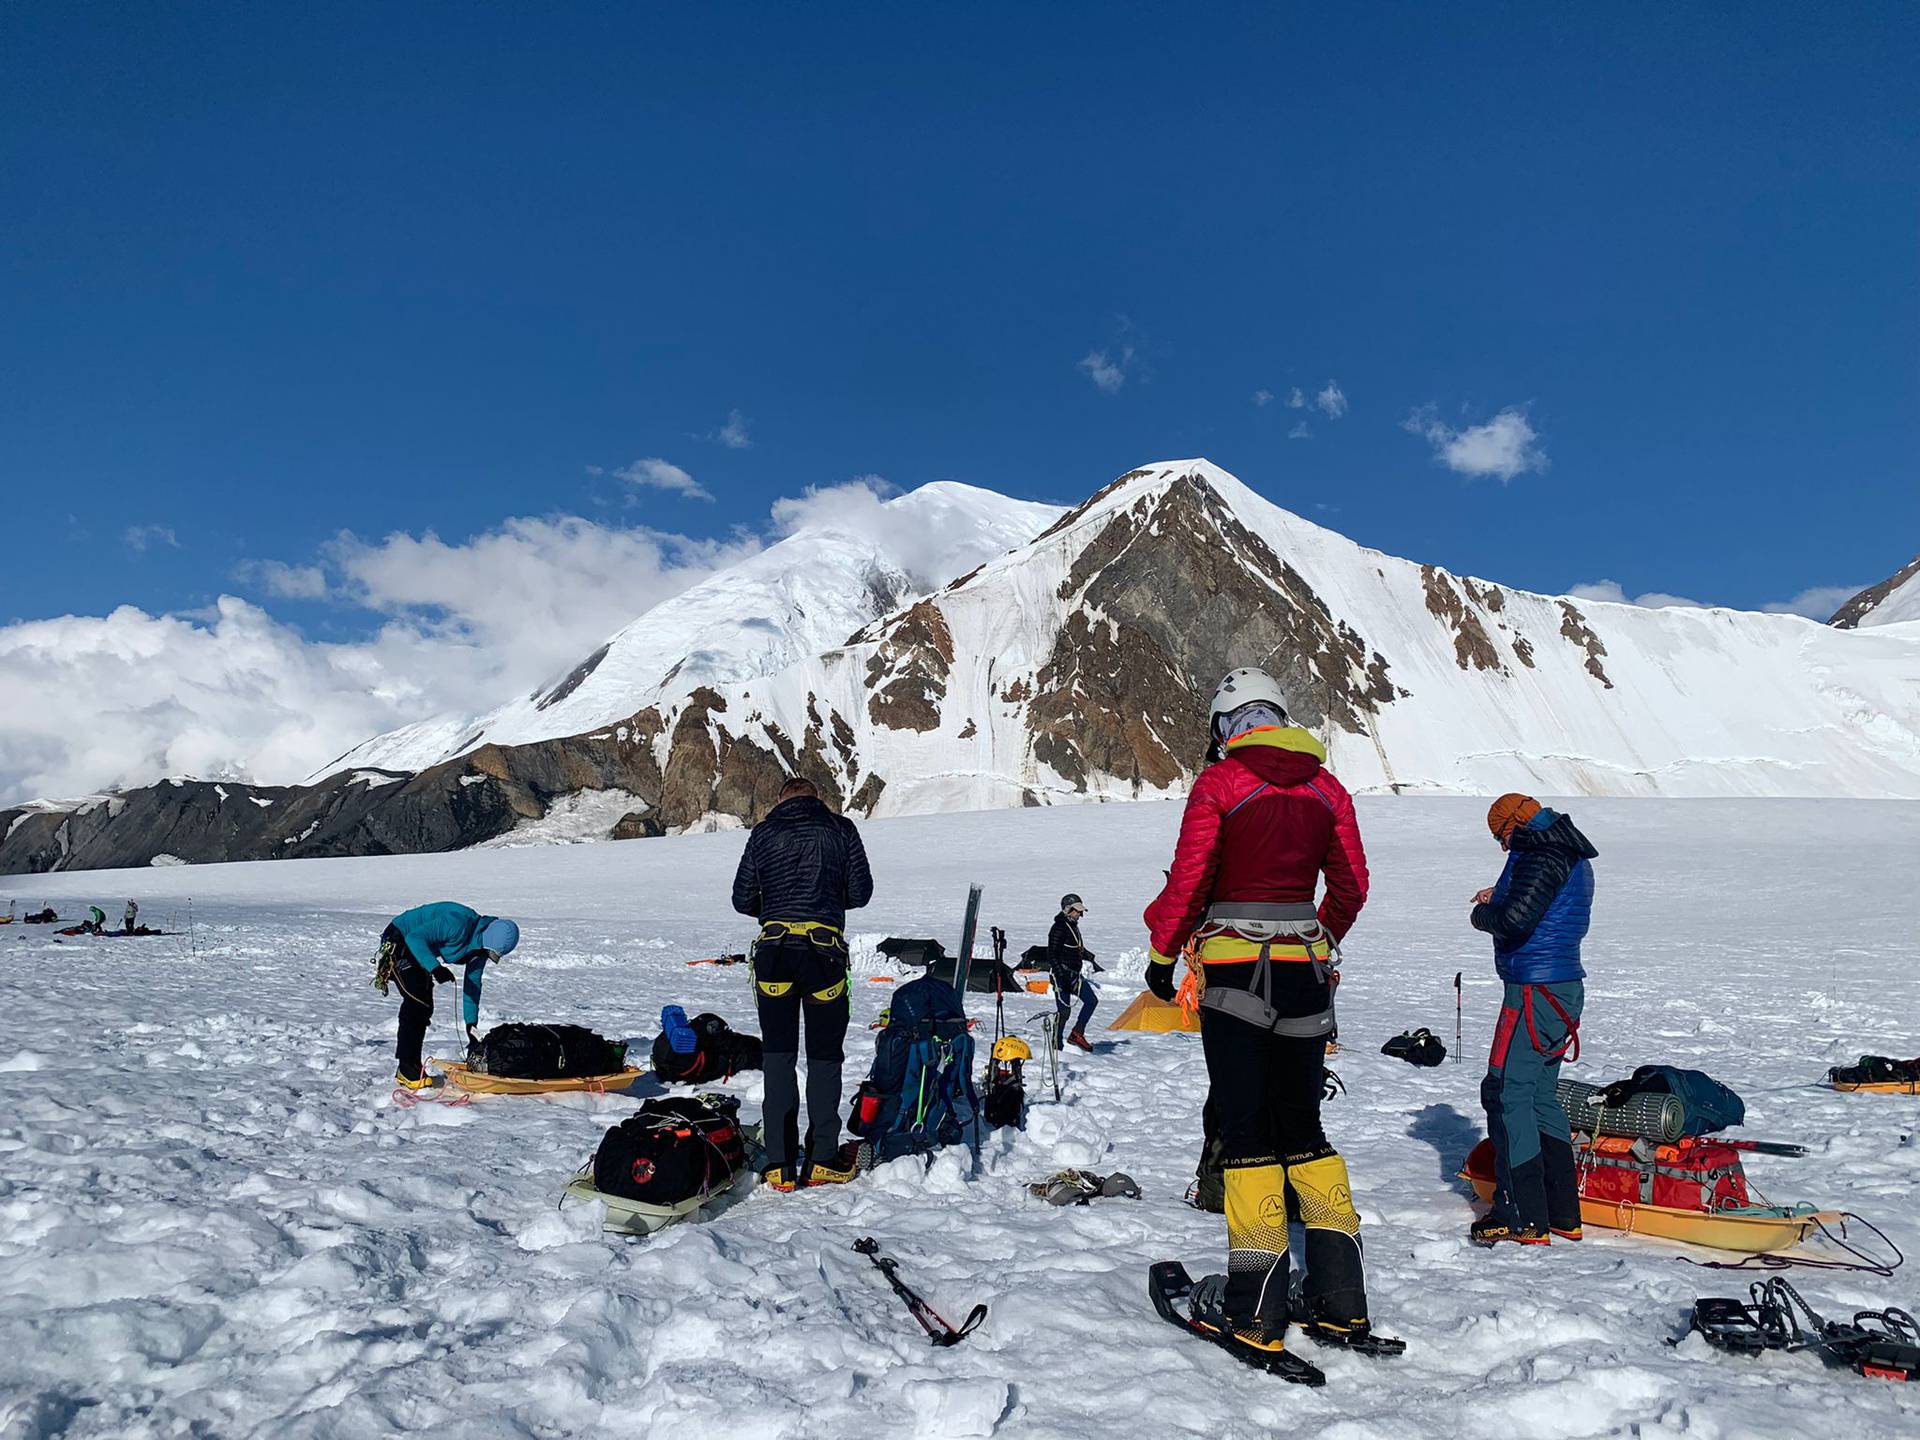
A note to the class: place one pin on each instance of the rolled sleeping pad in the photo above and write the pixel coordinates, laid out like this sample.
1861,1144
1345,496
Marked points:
1659,1118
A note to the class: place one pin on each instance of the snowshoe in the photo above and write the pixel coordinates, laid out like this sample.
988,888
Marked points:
1359,1338
1180,1302
1741,1328
1879,1344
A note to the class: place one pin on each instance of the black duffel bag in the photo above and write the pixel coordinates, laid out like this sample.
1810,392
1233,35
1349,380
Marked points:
545,1052
671,1150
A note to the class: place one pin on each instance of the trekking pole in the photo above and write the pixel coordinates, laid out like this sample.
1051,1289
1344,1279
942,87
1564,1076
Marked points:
938,1330
1458,1003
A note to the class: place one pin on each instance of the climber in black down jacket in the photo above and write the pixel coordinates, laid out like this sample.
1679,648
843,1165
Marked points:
802,863
802,870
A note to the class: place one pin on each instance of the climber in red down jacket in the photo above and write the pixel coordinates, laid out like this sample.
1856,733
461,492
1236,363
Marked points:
1262,826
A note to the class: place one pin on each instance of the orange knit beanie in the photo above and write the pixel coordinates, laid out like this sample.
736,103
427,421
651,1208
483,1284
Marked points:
1509,813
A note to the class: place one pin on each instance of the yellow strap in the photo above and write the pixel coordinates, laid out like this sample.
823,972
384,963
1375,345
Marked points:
774,988
1231,948
817,931
833,991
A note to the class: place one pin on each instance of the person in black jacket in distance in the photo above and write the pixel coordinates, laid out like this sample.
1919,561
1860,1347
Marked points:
1067,957
803,869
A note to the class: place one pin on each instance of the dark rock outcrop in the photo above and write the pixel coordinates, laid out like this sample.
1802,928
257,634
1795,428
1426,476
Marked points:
1849,615
1184,592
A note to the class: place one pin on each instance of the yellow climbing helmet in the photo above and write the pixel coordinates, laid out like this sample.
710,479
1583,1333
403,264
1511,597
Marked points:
1011,1047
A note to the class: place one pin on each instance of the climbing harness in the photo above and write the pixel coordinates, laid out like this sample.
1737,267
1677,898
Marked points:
1265,925
822,936
1569,1047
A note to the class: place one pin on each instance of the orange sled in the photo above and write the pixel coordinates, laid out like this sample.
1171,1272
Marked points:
1747,1232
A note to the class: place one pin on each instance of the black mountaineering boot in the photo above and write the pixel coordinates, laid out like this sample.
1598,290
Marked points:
1520,1216
1561,1180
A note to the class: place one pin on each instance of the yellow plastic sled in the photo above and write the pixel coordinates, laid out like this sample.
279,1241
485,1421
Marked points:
475,1083
1881,1087
1748,1234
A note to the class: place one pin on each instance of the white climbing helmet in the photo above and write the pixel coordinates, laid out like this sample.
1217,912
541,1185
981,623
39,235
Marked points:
1238,691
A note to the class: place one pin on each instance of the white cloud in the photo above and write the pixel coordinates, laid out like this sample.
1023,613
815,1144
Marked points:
534,594
930,554
1263,398
1297,399
140,538
1300,431
654,473
1817,602
1108,369
125,698
733,434
1332,401
1506,446
1613,592
289,582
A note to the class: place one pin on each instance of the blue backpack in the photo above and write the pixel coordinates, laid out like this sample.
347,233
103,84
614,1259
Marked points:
919,1095
1710,1106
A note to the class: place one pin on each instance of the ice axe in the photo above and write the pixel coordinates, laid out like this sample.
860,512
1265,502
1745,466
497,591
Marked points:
938,1330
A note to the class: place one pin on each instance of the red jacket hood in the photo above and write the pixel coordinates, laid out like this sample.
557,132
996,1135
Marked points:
1279,768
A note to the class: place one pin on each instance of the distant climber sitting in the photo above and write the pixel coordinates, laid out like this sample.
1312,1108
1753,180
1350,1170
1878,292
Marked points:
701,1049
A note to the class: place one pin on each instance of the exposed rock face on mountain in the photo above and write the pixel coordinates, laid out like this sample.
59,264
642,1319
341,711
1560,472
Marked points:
1895,600
1076,665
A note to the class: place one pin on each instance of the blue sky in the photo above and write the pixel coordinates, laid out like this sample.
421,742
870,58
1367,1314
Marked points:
277,272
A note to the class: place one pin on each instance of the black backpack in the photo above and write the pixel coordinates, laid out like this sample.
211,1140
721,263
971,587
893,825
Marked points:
545,1052
1876,1070
1003,1096
672,1150
1416,1047
719,1053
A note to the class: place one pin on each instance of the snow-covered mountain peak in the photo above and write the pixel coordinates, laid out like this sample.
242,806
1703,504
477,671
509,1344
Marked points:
847,556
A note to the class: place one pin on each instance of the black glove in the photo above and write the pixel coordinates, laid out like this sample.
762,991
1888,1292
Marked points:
1160,980
443,974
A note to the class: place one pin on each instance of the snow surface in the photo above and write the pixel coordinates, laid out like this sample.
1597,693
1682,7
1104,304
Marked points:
575,819
215,1222
1901,605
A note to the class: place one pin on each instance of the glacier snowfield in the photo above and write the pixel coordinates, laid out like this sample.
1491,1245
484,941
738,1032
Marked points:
214,1221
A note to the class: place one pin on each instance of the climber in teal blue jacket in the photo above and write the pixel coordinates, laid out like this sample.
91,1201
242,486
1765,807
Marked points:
418,950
